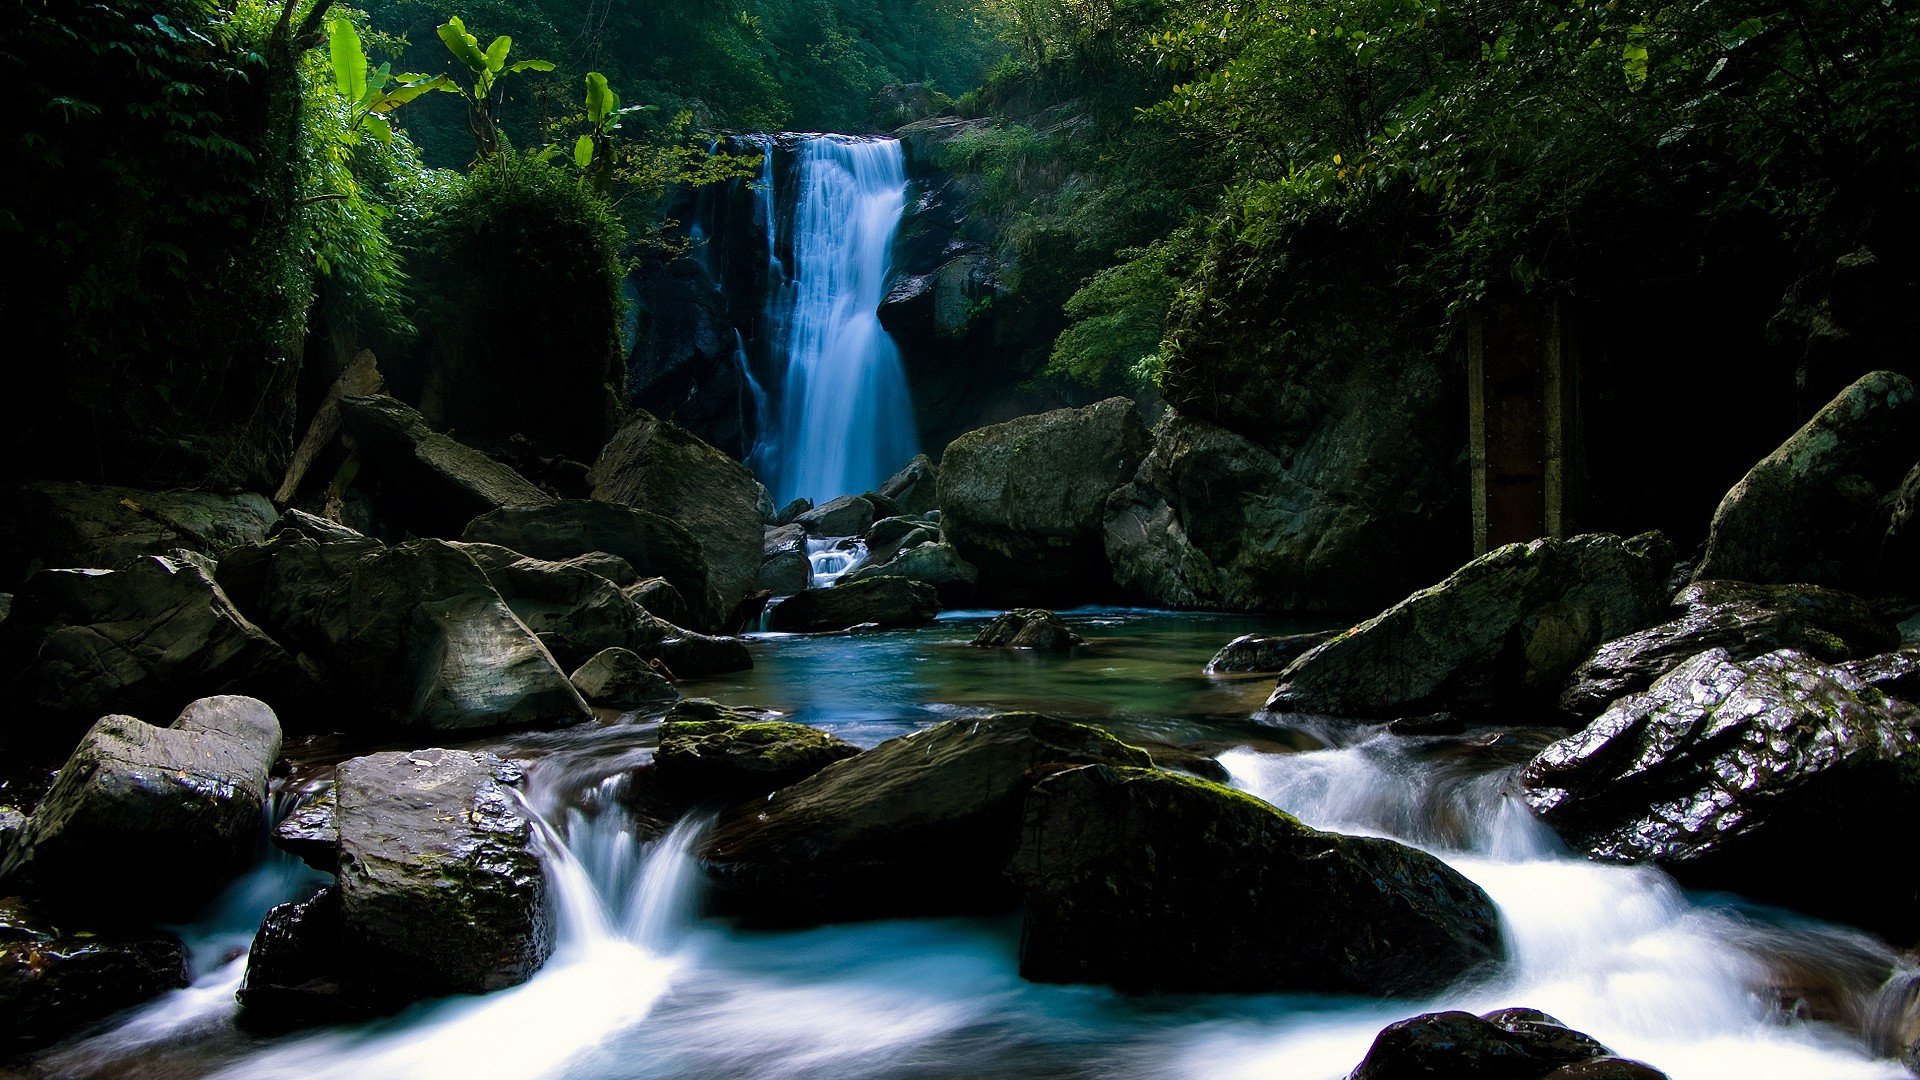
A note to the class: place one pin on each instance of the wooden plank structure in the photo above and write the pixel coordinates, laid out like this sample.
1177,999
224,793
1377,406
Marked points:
1523,430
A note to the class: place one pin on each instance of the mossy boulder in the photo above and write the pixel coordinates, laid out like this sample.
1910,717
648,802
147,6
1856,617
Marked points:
1152,881
693,656
929,563
924,824
1264,652
885,601
709,752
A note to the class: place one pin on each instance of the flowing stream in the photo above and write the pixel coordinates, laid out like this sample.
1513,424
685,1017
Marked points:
642,986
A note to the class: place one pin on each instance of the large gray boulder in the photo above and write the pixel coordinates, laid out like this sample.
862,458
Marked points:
887,601
1496,639
654,465
848,515
56,977
64,524
424,480
179,809
653,544
440,891
1264,652
915,489
1025,500
1816,510
934,564
1151,881
920,825
1746,620
148,638
784,566
573,609
1773,777
622,679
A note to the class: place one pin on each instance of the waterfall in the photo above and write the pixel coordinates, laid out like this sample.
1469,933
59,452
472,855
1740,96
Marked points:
845,421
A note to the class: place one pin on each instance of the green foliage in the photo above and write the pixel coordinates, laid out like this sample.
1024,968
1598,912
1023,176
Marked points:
1119,317
482,90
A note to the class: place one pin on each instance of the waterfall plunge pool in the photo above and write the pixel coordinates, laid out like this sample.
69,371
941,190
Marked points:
641,986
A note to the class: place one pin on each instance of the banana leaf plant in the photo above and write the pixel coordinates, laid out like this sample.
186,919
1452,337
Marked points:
485,68
372,92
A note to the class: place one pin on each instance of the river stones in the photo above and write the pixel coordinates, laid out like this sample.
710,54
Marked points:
66,524
149,637
56,977
1150,881
709,752
652,543
440,890
425,481
1497,639
928,563
1772,777
1028,628
884,601
1746,620
1511,1044
654,465
920,825
177,809
1816,510
1024,500
622,679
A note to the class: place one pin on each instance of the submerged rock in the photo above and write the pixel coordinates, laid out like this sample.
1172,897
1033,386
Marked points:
1150,881
652,544
432,484
1263,653
1767,776
1028,628
63,524
622,679
56,978
920,825
1024,500
711,752
1511,1044
178,809
1498,638
1816,509
887,601
934,564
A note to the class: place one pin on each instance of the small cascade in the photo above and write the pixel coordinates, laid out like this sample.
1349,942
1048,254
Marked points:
832,558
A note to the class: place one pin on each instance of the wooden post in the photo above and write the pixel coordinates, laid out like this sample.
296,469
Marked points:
1523,427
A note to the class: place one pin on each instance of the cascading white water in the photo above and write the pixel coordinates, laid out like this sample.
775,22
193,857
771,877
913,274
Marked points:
846,420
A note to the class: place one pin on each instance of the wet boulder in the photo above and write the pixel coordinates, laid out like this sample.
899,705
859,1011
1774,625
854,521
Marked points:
149,638
1024,501
1746,620
1497,639
1816,510
692,656
653,465
1028,628
62,524
784,566
179,809
934,564
848,515
56,978
887,601
1150,881
1511,1044
653,544
709,752
622,679
1771,777
920,825
1895,674
661,599
891,536
440,891
1263,652
574,611
915,489
425,481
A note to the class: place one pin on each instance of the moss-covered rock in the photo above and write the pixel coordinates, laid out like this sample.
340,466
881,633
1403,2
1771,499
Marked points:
1147,880
709,752
92,525
1028,628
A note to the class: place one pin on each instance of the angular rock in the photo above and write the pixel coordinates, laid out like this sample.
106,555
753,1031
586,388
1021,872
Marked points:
920,825
311,830
147,638
1028,628
1765,776
1815,510
1149,881
709,752
1025,500
888,601
784,566
929,563
891,536
1895,674
1744,619
576,613
1512,1044
915,489
1497,639
662,600
440,891
791,512
178,809
430,483
66,525
622,679
1261,652
656,466
653,544
56,978
694,656
848,515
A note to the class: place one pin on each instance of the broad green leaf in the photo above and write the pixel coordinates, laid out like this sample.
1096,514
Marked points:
583,151
349,59
379,127
600,100
531,65
406,92
497,52
464,46
1634,62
